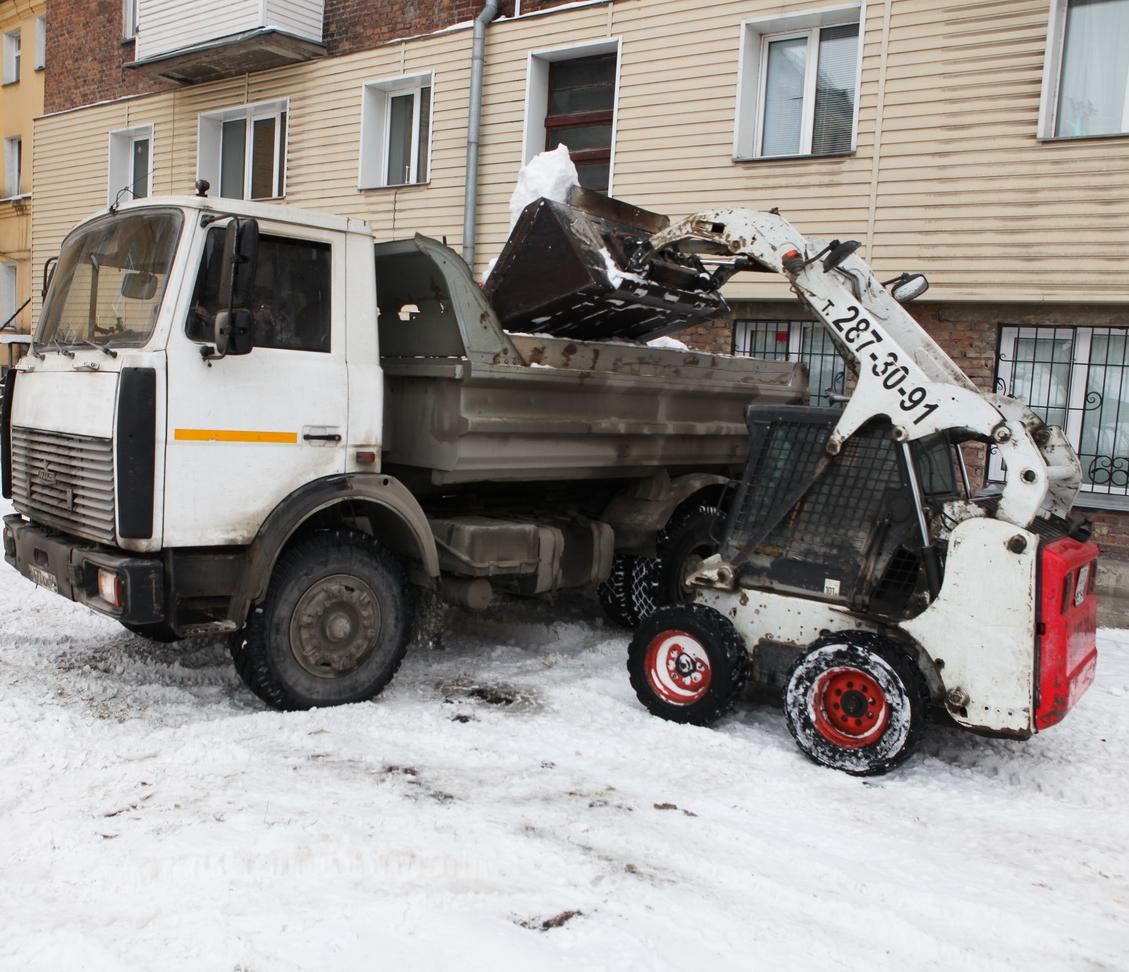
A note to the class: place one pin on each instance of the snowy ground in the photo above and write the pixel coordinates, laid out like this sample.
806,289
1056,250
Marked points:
508,804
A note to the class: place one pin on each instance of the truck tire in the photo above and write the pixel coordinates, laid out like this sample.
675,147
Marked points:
333,627
687,663
855,702
686,541
159,632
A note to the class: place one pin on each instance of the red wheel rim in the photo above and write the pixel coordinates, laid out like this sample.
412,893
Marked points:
678,668
850,708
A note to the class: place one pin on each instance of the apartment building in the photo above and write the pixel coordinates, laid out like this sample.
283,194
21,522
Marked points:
22,57
983,142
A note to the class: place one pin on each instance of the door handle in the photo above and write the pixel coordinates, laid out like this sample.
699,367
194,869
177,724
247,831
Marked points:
328,437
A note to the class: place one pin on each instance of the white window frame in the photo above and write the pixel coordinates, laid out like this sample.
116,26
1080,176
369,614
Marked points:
210,143
1082,337
537,94
13,167
1052,80
119,170
129,19
12,56
752,75
376,120
9,289
40,43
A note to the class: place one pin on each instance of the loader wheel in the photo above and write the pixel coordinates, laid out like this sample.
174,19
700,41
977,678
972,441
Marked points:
687,664
333,627
682,546
855,702
617,593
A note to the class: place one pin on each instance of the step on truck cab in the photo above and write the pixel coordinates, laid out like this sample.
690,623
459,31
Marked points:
254,420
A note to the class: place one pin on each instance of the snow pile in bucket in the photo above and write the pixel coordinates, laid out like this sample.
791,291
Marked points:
549,175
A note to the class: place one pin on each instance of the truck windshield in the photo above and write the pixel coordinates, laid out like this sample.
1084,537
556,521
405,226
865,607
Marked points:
110,280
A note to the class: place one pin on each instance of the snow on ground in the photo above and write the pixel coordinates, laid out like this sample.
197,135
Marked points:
508,804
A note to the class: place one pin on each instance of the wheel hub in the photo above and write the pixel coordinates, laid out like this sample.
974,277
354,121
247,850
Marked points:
335,626
678,668
850,708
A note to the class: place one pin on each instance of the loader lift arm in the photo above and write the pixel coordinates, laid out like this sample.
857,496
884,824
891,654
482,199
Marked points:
902,373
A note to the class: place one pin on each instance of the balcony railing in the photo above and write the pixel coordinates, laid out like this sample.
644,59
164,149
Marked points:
203,40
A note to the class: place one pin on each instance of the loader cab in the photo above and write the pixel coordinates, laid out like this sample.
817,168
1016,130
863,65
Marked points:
848,529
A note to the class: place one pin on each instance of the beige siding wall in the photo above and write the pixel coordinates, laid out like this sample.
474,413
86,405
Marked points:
948,175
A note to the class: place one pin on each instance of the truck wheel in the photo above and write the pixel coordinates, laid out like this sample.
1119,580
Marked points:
855,702
159,632
682,546
333,627
617,593
687,664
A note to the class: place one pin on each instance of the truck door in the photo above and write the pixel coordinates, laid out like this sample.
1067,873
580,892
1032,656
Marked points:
246,431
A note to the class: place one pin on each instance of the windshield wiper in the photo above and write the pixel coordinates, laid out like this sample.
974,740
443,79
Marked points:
58,347
94,344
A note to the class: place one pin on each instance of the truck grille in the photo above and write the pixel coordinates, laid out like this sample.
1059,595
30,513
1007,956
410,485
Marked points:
65,481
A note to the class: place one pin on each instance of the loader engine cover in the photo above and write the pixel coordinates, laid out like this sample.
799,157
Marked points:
561,274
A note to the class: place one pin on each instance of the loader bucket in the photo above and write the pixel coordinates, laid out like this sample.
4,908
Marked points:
561,273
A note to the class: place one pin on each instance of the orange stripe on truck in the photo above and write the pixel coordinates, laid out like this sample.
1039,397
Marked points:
233,435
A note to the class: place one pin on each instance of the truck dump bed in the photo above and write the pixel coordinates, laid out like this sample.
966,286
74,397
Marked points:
468,401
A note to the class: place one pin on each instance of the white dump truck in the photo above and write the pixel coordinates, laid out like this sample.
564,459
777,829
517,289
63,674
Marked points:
246,418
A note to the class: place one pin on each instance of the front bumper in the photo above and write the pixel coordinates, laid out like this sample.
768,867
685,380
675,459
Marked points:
48,557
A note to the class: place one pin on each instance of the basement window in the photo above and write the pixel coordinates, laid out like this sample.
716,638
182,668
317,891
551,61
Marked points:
11,57
801,341
1078,379
797,86
243,151
131,164
396,132
571,100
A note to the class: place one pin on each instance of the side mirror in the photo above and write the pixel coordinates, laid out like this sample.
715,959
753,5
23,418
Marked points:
907,287
240,260
233,330
839,253
139,285
234,334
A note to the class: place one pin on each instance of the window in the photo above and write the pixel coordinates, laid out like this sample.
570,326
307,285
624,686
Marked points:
1086,72
290,301
131,163
571,100
11,57
243,151
801,341
1078,379
40,43
129,19
797,85
8,302
396,132
13,166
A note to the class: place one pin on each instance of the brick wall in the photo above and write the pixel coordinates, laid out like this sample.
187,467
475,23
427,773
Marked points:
85,53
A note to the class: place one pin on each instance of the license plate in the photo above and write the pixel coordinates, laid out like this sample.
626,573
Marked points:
44,578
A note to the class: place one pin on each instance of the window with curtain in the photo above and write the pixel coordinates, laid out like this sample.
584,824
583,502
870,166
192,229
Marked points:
242,151
396,132
1093,76
1078,379
806,97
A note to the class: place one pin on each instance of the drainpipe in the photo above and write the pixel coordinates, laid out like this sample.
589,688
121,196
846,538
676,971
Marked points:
474,127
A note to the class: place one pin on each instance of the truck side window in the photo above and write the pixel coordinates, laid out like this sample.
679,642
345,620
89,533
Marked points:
290,302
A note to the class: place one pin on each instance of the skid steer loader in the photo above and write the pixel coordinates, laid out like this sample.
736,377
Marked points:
859,573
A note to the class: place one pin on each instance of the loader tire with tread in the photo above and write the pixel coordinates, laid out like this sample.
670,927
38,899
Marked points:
856,702
686,541
687,663
333,627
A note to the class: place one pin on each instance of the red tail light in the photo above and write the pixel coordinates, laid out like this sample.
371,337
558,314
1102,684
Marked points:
1068,621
